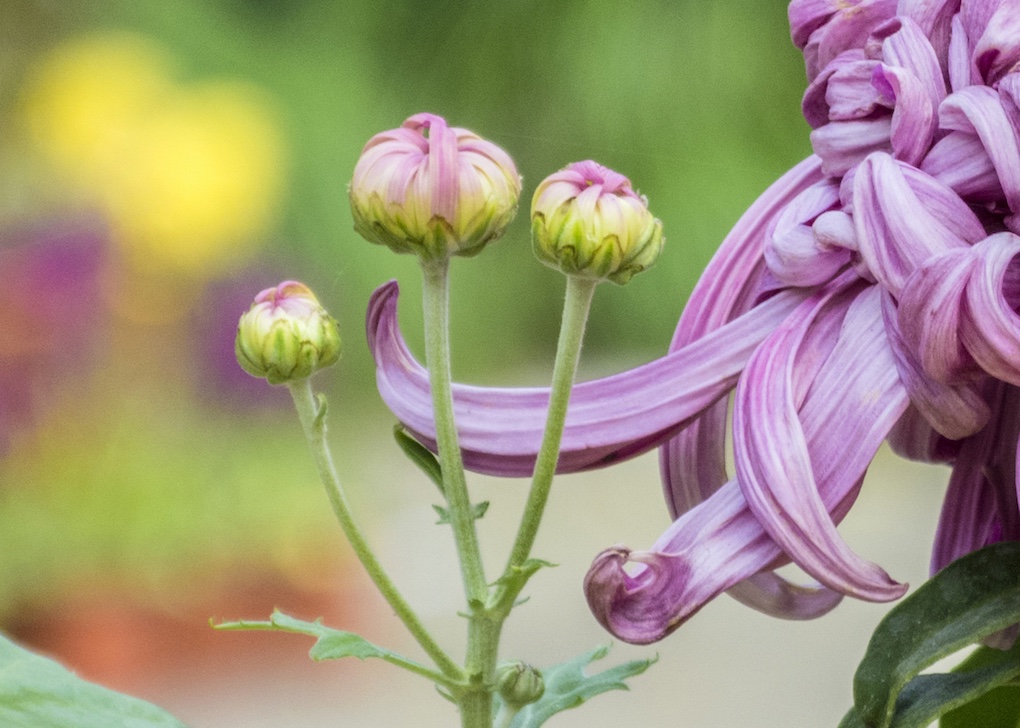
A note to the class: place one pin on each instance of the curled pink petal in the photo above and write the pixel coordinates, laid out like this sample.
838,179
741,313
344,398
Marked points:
959,161
609,419
720,542
903,217
989,330
997,51
827,28
978,110
793,253
774,467
930,314
954,412
693,462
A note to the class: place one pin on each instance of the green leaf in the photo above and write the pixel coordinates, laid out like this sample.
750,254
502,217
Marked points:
477,511
335,644
998,708
38,693
419,455
330,644
567,686
970,599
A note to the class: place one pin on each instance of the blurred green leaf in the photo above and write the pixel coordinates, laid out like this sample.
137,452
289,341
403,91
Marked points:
568,686
38,693
419,455
967,601
998,708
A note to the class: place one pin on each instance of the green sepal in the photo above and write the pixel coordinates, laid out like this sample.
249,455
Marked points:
330,644
477,511
39,693
568,686
967,601
420,456
997,708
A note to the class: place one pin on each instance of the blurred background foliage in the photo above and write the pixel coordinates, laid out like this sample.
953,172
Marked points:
161,162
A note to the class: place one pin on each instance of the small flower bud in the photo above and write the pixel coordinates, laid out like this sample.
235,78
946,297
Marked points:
286,335
587,221
519,684
433,190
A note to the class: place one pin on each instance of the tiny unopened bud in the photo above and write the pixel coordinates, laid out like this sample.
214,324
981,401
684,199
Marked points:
433,190
588,221
286,335
519,684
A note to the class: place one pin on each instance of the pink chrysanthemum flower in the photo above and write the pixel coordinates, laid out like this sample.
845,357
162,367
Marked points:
870,294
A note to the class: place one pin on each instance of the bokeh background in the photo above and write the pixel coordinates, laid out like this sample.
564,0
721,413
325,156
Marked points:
161,162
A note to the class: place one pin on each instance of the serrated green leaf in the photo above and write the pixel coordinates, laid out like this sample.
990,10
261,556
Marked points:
970,599
478,510
330,644
335,644
420,456
568,686
998,708
39,693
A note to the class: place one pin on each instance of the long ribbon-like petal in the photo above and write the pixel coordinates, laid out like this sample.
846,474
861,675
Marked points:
609,419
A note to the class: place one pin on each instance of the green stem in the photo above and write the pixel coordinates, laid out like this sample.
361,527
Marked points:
437,359
313,422
483,631
575,315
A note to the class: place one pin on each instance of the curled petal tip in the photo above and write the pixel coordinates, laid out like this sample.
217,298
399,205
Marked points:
642,606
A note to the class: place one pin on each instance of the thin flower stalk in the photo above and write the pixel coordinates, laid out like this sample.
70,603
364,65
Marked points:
313,423
576,305
483,632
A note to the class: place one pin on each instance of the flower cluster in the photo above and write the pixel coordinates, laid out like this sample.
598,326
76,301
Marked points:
870,294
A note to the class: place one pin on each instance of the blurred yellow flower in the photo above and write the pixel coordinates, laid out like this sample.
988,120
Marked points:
190,176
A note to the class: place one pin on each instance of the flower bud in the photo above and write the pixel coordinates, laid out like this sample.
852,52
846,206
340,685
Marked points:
519,684
286,335
433,190
587,221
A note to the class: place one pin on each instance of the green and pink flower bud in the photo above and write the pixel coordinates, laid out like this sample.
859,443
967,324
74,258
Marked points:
286,335
588,221
433,190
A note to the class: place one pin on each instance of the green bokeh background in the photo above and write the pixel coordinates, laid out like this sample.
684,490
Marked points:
697,102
